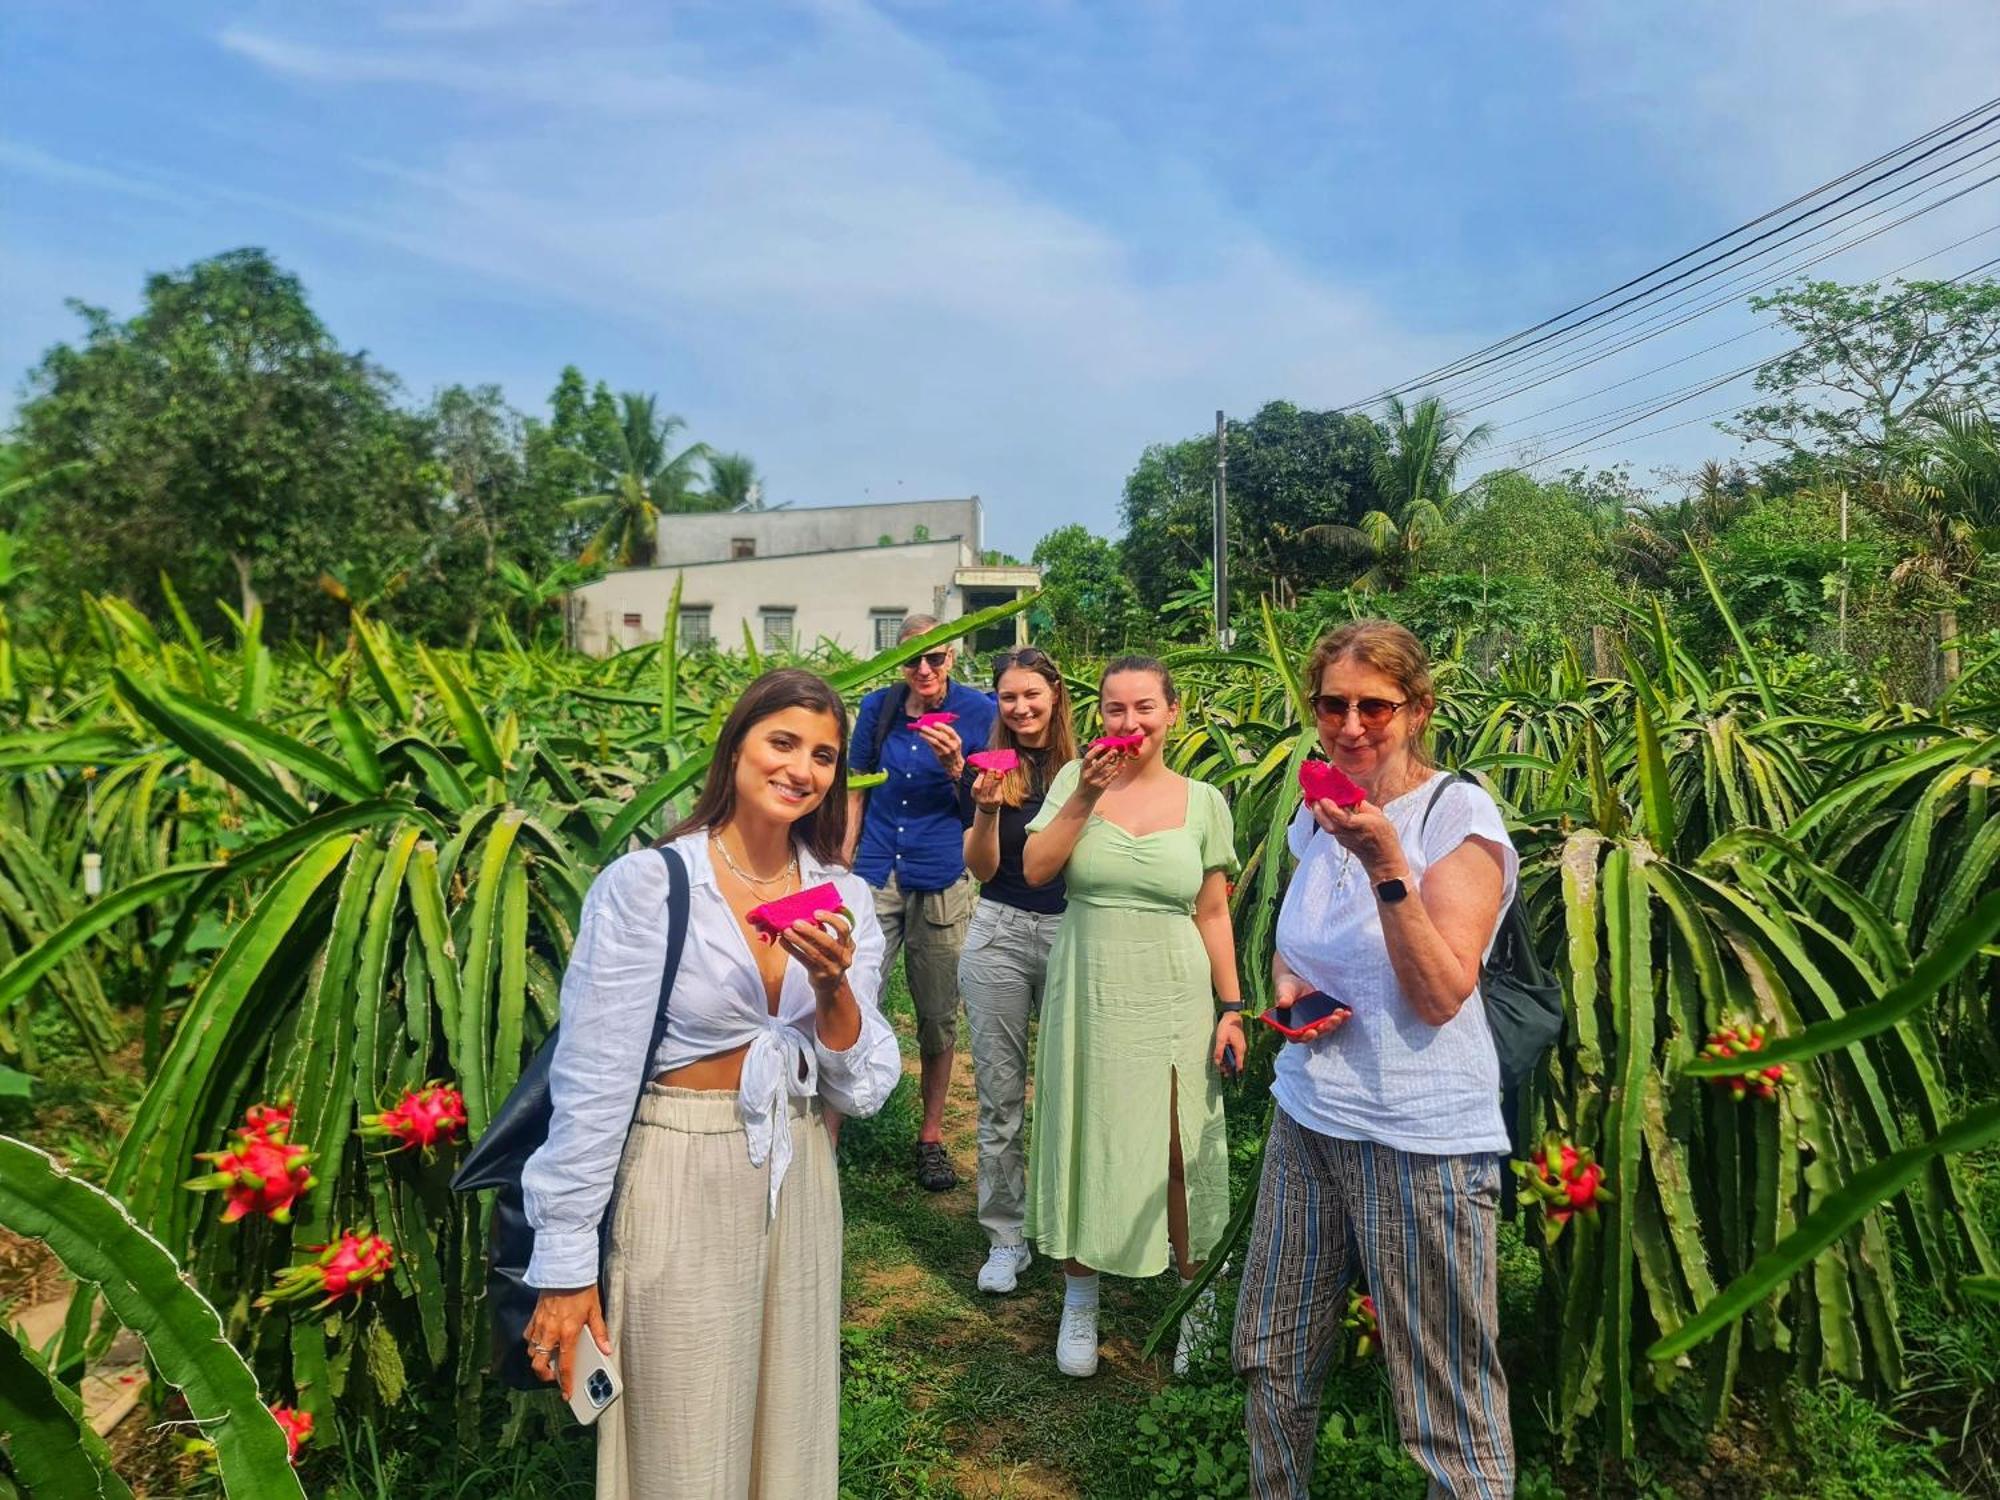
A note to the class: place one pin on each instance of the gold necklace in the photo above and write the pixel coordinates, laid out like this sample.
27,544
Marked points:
791,869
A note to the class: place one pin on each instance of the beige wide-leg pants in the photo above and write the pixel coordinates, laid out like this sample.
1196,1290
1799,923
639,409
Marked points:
724,1320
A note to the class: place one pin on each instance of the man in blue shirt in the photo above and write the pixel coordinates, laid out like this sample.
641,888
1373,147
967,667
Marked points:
907,843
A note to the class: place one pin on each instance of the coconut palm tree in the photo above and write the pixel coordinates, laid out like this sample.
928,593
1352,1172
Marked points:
537,596
1941,494
646,481
733,483
1414,471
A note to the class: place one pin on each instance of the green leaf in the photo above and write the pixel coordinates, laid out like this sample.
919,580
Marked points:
463,710
50,1446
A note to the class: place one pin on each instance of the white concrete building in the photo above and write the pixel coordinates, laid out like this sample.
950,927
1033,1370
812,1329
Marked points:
842,573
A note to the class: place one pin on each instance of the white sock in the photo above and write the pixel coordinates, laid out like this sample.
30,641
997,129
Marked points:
1080,1291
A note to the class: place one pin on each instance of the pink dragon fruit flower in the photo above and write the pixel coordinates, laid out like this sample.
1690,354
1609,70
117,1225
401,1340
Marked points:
298,1426
258,1175
421,1118
343,1269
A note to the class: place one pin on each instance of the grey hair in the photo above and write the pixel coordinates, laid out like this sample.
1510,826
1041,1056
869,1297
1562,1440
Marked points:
916,625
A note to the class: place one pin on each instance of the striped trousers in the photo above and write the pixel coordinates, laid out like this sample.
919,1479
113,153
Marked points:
1419,1230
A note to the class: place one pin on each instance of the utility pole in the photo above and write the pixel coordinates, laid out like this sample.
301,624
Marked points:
1843,570
1224,636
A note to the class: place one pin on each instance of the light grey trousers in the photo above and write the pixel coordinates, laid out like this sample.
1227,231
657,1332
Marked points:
724,1320
1001,972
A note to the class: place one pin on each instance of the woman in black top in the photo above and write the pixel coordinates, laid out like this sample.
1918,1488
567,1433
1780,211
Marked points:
1006,955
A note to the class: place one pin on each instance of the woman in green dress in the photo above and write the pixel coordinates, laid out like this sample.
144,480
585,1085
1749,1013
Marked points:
1128,1155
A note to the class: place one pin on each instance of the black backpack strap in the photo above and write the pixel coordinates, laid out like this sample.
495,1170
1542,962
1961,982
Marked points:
677,926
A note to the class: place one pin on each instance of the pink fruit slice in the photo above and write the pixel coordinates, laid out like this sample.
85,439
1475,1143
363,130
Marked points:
993,760
927,721
776,917
1325,783
1124,744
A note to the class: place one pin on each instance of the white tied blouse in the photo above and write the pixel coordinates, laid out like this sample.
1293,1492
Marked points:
610,993
1387,1075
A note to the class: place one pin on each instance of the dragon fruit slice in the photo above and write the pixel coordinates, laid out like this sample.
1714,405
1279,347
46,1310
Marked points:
1322,782
1124,744
421,1118
775,918
997,761
929,721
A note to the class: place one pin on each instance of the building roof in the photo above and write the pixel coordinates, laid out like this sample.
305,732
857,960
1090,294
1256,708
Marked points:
737,562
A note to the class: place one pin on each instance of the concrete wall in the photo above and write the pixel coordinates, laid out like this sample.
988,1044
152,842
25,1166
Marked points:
833,594
816,528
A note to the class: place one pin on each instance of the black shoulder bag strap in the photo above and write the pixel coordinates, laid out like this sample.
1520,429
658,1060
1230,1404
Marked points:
517,1130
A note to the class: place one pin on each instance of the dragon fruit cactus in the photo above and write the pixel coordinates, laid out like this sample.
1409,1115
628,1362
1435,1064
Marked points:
298,1426
1741,1041
257,1176
1360,1321
421,1118
342,1270
1567,1181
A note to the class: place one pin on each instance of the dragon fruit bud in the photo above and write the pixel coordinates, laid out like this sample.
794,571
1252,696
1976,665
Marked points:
298,1427
343,1269
257,1175
271,1121
1362,1321
421,1118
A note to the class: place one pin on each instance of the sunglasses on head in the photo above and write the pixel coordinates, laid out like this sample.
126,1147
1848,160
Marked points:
935,660
1027,656
1372,712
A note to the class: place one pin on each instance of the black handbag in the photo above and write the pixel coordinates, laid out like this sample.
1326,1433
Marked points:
514,1134
1524,1005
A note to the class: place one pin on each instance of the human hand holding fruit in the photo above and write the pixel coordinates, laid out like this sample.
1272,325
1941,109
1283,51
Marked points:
1101,767
1365,831
986,791
824,946
945,745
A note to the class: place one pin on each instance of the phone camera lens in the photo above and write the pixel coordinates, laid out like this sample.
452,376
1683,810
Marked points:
599,1387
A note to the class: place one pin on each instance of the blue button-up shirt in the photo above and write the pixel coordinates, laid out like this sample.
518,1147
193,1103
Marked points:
911,828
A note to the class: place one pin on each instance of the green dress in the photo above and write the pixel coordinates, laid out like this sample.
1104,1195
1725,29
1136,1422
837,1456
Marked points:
1129,1007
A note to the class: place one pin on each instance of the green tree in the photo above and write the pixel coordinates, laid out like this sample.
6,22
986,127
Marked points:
1168,514
537,594
1085,593
646,479
1942,503
1865,362
1415,470
220,431
733,483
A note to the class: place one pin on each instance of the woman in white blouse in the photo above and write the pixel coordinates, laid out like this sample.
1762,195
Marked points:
722,1272
1383,1164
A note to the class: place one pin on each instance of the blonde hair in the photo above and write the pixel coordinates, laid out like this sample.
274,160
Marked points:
1388,648
1015,787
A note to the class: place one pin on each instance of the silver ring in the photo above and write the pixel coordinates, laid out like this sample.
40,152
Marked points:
535,1348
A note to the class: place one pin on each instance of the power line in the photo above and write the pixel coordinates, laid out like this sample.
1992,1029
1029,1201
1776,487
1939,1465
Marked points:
1513,345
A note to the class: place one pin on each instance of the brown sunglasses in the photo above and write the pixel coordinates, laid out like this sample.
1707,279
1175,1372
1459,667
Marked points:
1372,712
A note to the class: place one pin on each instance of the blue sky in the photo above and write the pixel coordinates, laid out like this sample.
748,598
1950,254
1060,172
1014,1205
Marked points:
898,250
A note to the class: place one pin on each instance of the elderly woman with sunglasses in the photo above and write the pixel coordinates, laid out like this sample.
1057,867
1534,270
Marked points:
1383,1162
905,840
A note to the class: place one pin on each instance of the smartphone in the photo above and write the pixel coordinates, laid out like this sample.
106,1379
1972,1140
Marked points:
1308,1010
594,1383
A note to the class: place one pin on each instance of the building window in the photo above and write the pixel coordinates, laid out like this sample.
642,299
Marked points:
697,627
778,625
635,630
888,626
742,546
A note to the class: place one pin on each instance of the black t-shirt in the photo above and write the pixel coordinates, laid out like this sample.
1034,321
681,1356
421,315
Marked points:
1009,886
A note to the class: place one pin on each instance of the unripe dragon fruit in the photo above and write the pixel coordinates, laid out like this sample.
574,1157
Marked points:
1361,1320
298,1427
1566,1180
343,1269
422,1118
1739,1042
259,1175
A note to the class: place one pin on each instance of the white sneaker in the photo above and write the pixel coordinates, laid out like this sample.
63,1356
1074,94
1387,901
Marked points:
1076,1343
1195,1325
1003,1268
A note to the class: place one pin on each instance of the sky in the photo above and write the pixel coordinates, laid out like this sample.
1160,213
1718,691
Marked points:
913,248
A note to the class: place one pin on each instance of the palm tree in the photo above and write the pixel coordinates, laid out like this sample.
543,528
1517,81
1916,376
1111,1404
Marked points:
646,481
1414,471
1941,493
1655,534
733,483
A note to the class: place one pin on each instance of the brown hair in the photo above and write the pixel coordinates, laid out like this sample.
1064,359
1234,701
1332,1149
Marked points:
825,828
1015,786
1389,649
1151,664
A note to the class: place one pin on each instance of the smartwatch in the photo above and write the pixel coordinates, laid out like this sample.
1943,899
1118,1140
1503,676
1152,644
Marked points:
1232,1007
1391,891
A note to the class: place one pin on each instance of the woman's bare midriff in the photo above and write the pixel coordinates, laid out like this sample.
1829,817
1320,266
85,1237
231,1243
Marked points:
723,1071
